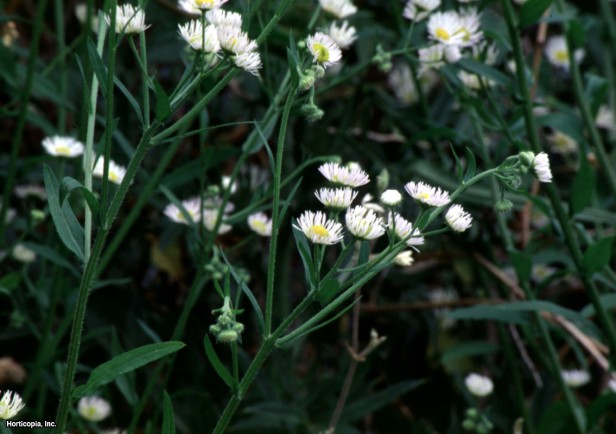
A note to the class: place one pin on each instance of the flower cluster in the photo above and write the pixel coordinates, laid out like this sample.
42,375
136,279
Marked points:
198,210
128,20
227,329
222,35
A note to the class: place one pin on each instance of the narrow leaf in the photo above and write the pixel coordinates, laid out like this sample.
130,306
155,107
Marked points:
220,369
70,185
168,416
328,290
471,165
97,66
458,164
369,404
598,255
484,70
131,99
582,187
163,108
531,11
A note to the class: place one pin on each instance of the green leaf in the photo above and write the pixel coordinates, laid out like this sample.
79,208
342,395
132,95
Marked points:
124,363
523,265
608,301
304,252
71,185
471,165
369,404
583,187
484,312
596,90
99,68
458,164
328,290
599,407
168,416
467,349
52,256
163,108
484,70
131,99
261,133
65,230
566,123
531,12
577,34
220,369
9,282
597,255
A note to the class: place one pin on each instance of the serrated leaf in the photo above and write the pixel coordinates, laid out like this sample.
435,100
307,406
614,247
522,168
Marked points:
124,363
532,10
168,415
328,290
597,255
163,108
220,369
64,229
583,187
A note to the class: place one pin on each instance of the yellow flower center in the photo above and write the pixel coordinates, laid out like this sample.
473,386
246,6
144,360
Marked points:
424,195
204,3
259,226
321,52
319,230
113,177
442,34
63,150
561,55
92,412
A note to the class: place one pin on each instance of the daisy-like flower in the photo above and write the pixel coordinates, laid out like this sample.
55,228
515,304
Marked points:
364,223
128,20
196,7
427,194
23,254
458,219
249,62
10,404
366,202
350,177
116,172
391,197
23,191
234,40
336,198
541,166
404,230
210,218
470,27
323,49
445,27
319,229
575,377
404,259
432,57
261,224
221,18
486,53
343,35
417,10
562,143
93,408
605,118
198,38
192,207
558,54
63,146
479,385
339,8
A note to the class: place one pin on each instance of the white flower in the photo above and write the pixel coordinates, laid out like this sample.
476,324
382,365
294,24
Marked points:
23,191
343,35
401,83
116,172
93,408
198,38
470,27
10,404
192,207
541,166
249,62
351,177
446,28
417,10
63,146
366,202
319,229
458,219
81,12
23,254
364,223
452,53
404,259
561,143
479,385
575,377
196,7
233,39
128,20
225,182
323,49
612,384
432,57
427,194
558,54
336,198
339,8
391,197
221,18
261,224
405,231
486,53
210,219
605,118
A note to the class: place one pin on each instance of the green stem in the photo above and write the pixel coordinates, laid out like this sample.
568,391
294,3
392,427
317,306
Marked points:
146,78
63,84
271,266
23,114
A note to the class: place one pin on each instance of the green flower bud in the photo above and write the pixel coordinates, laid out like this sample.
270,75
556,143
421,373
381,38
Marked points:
526,157
503,205
307,80
472,412
227,336
312,112
37,215
468,425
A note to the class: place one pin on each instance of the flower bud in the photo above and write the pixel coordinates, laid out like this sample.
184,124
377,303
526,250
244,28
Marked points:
503,205
227,336
527,158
